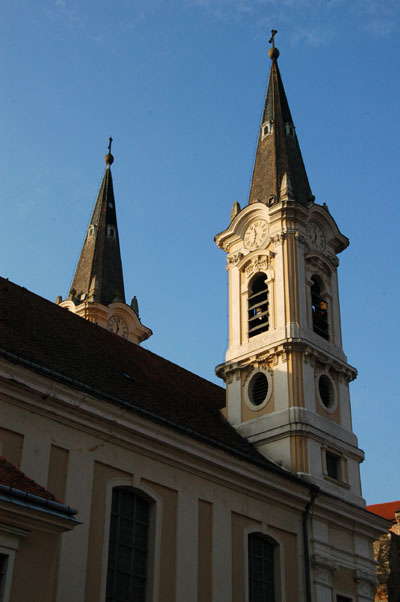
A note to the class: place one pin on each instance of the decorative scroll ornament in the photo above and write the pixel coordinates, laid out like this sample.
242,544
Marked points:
366,583
300,238
333,259
324,568
257,264
315,264
234,259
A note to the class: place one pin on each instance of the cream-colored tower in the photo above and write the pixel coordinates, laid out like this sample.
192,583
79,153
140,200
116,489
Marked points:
97,291
287,378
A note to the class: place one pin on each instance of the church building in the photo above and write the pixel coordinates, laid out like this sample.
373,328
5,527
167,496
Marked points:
126,478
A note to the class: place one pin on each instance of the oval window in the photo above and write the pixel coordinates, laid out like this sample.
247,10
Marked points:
326,392
258,388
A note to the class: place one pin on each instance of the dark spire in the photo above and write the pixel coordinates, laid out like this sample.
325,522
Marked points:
279,171
98,276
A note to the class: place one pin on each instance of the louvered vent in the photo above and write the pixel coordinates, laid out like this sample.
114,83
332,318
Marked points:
326,391
258,388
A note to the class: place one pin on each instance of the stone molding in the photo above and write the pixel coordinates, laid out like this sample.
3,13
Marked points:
366,583
260,263
317,264
235,258
324,567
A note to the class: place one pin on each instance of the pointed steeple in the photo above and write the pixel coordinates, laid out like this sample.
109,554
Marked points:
279,172
98,277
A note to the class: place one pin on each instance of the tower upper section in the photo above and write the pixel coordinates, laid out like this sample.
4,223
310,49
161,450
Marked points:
98,276
278,169
97,292
286,374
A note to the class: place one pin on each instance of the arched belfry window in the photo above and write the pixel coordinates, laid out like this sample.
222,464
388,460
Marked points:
258,306
128,546
319,309
261,569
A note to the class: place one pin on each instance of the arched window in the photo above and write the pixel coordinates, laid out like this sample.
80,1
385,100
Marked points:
319,309
128,547
261,569
258,313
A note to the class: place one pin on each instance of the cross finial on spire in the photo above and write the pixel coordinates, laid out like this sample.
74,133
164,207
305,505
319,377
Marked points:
273,52
271,40
109,159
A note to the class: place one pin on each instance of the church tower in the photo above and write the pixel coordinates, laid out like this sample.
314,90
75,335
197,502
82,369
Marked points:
97,292
287,377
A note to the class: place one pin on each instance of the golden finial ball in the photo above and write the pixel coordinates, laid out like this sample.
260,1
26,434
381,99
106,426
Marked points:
273,53
109,159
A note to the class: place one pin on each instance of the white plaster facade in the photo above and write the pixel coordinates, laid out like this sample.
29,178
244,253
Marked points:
293,426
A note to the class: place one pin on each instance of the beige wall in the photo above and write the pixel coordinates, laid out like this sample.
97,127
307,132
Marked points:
36,568
11,446
205,502
58,471
204,554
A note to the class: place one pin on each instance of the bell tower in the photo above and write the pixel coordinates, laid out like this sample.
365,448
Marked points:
97,292
287,377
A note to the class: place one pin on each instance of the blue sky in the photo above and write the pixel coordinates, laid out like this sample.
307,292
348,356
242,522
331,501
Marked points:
180,86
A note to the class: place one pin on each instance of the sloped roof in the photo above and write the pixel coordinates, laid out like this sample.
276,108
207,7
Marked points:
17,488
385,510
98,276
49,339
13,477
278,153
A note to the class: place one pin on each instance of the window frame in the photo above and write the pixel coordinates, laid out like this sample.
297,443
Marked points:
130,515
154,535
331,409
247,393
322,296
10,539
343,598
258,276
267,128
341,464
262,530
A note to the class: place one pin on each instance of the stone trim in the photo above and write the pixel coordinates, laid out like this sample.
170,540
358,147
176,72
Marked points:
324,567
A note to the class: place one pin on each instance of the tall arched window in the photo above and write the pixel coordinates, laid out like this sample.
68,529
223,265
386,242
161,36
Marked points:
261,569
128,547
258,312
319,309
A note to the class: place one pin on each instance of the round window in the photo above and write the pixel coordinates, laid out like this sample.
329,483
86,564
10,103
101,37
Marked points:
326,391
258,388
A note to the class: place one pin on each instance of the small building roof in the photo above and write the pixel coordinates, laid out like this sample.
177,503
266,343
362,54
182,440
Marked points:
13,477
386,510
17,488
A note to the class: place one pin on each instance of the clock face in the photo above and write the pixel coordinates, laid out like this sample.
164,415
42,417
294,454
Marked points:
316,236
256,234
118,326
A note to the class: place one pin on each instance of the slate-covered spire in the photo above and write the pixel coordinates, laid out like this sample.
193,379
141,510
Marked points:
279,171
98,277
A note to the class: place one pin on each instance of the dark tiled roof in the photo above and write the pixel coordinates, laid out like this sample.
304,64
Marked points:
12,477
100,260
66,347
279,152
16,488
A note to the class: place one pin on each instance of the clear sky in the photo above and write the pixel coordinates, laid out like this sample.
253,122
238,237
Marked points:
179,85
